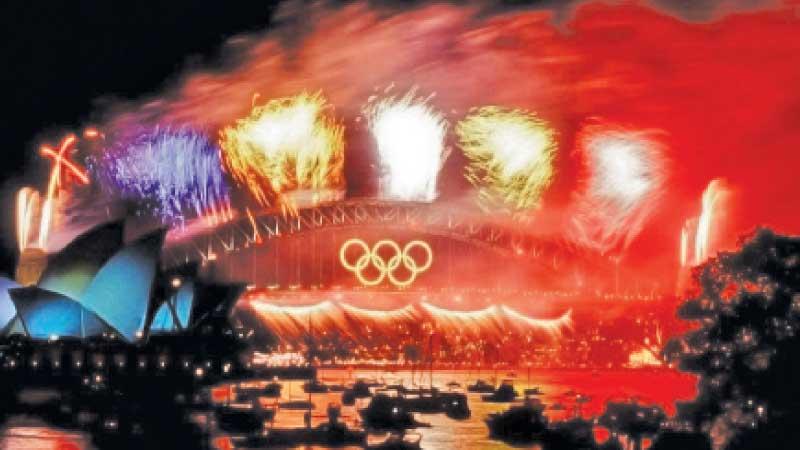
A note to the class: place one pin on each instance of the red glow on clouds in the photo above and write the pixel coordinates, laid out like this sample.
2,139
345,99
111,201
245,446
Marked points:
723,94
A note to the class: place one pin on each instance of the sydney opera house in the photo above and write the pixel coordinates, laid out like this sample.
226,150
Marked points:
98,286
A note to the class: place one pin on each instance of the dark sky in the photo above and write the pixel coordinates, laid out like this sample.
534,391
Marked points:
60,58
716,78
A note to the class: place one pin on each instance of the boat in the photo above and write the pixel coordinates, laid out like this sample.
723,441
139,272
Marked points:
388,413
481,387
453,385
394,441
360,389
532,392
504,393
327,435
314,387
296,404
371,382
245,418
348,398
519,424
270,390
453,404
557,406
395,387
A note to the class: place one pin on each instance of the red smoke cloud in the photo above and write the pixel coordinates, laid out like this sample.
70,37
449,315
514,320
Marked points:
724,93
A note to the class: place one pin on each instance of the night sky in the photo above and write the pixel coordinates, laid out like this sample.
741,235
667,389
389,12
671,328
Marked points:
62,61
716,80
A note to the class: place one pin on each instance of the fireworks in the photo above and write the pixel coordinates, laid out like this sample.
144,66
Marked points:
62,168
684,251
27,204
409,135
711,202
297,320
474,323
356,322
287,144
699,233
553,327
624,176
510,156
392,316
174,174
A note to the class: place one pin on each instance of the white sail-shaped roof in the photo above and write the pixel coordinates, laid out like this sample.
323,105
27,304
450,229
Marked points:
120,292
71,270
7,309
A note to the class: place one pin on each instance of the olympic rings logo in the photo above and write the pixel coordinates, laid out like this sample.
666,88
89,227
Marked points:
385,268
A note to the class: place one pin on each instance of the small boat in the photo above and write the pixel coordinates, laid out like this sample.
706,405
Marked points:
296,404
243,418
388,413
394,441
505,393
519,424
481,387
361,389
453,385
315,387
371,382
453,404
327,435
532,392
271,390
348,398
557,406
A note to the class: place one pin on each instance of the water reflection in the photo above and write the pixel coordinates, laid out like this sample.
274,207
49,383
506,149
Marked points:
32,433
558,387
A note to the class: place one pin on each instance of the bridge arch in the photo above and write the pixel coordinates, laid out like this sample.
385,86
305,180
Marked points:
433,219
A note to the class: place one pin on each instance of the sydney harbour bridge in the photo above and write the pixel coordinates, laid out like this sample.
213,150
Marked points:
302,248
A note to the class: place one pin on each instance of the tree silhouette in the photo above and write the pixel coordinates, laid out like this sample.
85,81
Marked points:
745,348
633,420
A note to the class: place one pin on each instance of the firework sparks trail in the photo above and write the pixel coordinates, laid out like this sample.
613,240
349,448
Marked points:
27,204
348,320
61,163
553,327
173,173
288,144
474,322
394,315
294,321
510,156
409,135
711,203
684,249
624,180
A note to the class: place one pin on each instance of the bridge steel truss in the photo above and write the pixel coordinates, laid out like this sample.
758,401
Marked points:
244,232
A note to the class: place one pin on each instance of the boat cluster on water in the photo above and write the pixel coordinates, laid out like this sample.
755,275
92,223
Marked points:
245,413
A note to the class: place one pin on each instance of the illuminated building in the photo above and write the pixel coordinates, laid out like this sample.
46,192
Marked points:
99,287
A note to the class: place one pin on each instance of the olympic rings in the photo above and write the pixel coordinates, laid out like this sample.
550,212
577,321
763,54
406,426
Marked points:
386,268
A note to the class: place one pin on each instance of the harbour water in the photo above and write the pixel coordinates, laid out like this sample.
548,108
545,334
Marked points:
661,387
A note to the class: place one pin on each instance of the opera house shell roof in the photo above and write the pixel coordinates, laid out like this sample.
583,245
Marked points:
100,286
